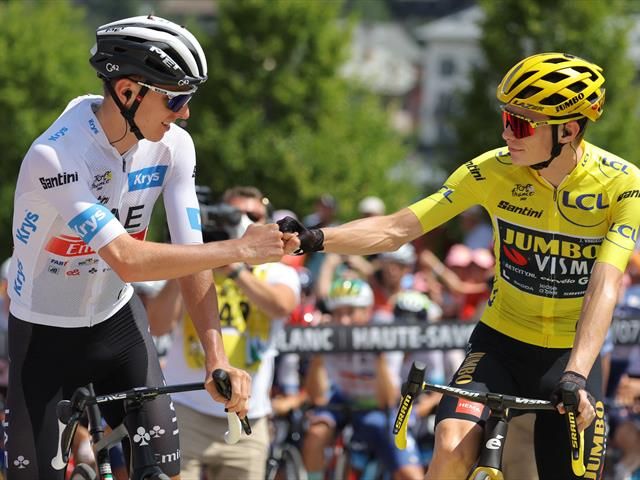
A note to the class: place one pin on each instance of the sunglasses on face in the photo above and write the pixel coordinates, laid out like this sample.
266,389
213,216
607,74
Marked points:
175,100
255,217
523,127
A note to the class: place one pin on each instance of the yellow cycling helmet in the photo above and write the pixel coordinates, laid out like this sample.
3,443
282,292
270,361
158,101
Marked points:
556,85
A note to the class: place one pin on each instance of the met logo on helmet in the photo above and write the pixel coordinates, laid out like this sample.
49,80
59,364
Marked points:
112,67
164,57
147,178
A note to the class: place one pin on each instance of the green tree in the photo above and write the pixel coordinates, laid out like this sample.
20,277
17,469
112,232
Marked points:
275,112
595,30
44,52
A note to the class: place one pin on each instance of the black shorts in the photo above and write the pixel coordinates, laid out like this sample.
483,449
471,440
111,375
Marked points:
498,363
49,363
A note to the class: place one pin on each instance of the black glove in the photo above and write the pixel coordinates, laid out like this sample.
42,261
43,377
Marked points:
566,390
311,239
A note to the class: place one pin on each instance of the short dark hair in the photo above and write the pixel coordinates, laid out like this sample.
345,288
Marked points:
242,191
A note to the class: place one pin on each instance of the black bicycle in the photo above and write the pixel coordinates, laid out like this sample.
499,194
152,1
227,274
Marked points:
285,460
489,464
144,465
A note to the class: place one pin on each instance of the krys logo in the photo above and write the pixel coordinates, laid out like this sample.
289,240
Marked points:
147,178
583,209
91,221
546,263
28,227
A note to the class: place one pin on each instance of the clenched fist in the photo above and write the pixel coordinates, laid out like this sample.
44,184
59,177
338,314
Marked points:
262,244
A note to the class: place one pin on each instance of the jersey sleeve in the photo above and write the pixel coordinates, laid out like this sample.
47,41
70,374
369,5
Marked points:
622,235
179,195
467,186
58,181
281,274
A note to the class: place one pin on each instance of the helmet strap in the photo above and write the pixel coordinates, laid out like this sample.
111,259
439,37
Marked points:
556,149
129,113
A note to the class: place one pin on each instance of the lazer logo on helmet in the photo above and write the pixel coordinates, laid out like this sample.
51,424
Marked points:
164,57
548,264
528,106
147,178
90,222
572,101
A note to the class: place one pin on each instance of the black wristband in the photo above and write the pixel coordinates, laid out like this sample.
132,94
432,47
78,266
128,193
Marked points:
574,377
236,271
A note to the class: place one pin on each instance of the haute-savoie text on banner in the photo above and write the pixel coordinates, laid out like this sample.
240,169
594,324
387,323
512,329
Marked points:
405,337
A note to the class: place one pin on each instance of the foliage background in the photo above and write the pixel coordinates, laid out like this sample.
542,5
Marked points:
277,114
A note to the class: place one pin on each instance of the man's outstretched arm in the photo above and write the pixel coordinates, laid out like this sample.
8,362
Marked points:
360,237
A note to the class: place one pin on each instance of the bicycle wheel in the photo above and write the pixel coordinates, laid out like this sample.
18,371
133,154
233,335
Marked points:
83,472
291,465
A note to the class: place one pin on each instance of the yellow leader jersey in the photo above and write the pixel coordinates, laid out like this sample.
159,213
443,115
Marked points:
546,239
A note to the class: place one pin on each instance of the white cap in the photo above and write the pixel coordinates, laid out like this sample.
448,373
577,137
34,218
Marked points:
372,206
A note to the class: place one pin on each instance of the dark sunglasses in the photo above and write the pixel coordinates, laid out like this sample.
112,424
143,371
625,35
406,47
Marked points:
523,127
254,217
175,100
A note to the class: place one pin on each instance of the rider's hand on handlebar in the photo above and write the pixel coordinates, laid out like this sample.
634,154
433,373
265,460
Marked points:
569,382
240,390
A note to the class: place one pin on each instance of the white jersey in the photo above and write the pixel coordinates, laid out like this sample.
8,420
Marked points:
75,194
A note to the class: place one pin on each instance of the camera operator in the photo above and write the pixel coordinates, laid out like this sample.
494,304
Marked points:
253,304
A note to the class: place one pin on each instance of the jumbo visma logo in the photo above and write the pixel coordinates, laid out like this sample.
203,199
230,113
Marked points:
147,178
543,263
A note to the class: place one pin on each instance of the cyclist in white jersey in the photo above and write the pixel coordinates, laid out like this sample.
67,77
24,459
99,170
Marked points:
83,203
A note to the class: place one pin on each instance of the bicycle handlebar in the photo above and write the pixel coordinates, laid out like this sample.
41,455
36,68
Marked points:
416,385
70,411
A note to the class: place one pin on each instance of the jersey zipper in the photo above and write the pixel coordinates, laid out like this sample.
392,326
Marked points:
120,190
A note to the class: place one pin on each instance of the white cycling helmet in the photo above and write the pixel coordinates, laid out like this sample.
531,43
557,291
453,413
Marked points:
156,49
352,293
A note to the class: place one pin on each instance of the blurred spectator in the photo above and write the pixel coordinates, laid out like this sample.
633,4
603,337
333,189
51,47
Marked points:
287,391
326,208
367,381
475,268
253,304
394,273
478,232
371,206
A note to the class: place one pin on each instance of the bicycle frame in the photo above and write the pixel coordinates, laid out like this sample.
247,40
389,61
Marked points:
489,465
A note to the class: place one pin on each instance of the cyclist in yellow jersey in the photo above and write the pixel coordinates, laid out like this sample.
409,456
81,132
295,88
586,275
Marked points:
565,219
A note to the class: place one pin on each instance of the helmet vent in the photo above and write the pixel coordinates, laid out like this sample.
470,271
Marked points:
555,99
522,78
555,60
554,77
